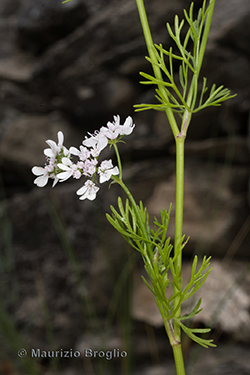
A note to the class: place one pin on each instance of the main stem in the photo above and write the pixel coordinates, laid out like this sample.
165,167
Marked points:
180,138
156,69
179,200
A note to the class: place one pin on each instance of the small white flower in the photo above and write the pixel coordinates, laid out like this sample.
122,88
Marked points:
88,191
44,175
77,174
115,129
94,152
112,131
83,153
106,170
89,167
98,141
80,164
74,151
127,127
69,168
54,149
42,180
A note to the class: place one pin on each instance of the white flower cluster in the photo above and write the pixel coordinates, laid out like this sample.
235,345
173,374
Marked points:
60,167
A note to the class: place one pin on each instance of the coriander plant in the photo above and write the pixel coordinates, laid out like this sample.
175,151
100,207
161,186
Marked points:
179,98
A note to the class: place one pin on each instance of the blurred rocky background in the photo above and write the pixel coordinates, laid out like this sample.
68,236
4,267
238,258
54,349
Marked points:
67,279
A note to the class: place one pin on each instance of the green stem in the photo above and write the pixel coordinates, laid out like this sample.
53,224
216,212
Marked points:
118,160
180,138
156,69
179,199
178,357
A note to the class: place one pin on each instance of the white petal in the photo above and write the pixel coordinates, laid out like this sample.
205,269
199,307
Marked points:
74,151
64,175
103,178
128,122
66,152
84,196
91,193
115,171
108,164
51,144
102,143
89,142
67,161
55,181
63,167
117,120
128,126
41,181
91,196
37,171
81,190
48,152
60,138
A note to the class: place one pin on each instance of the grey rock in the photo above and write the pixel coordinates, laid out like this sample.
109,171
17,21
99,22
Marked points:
224,296
211,207
53,262
43,22
230,26
225,359
27,134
